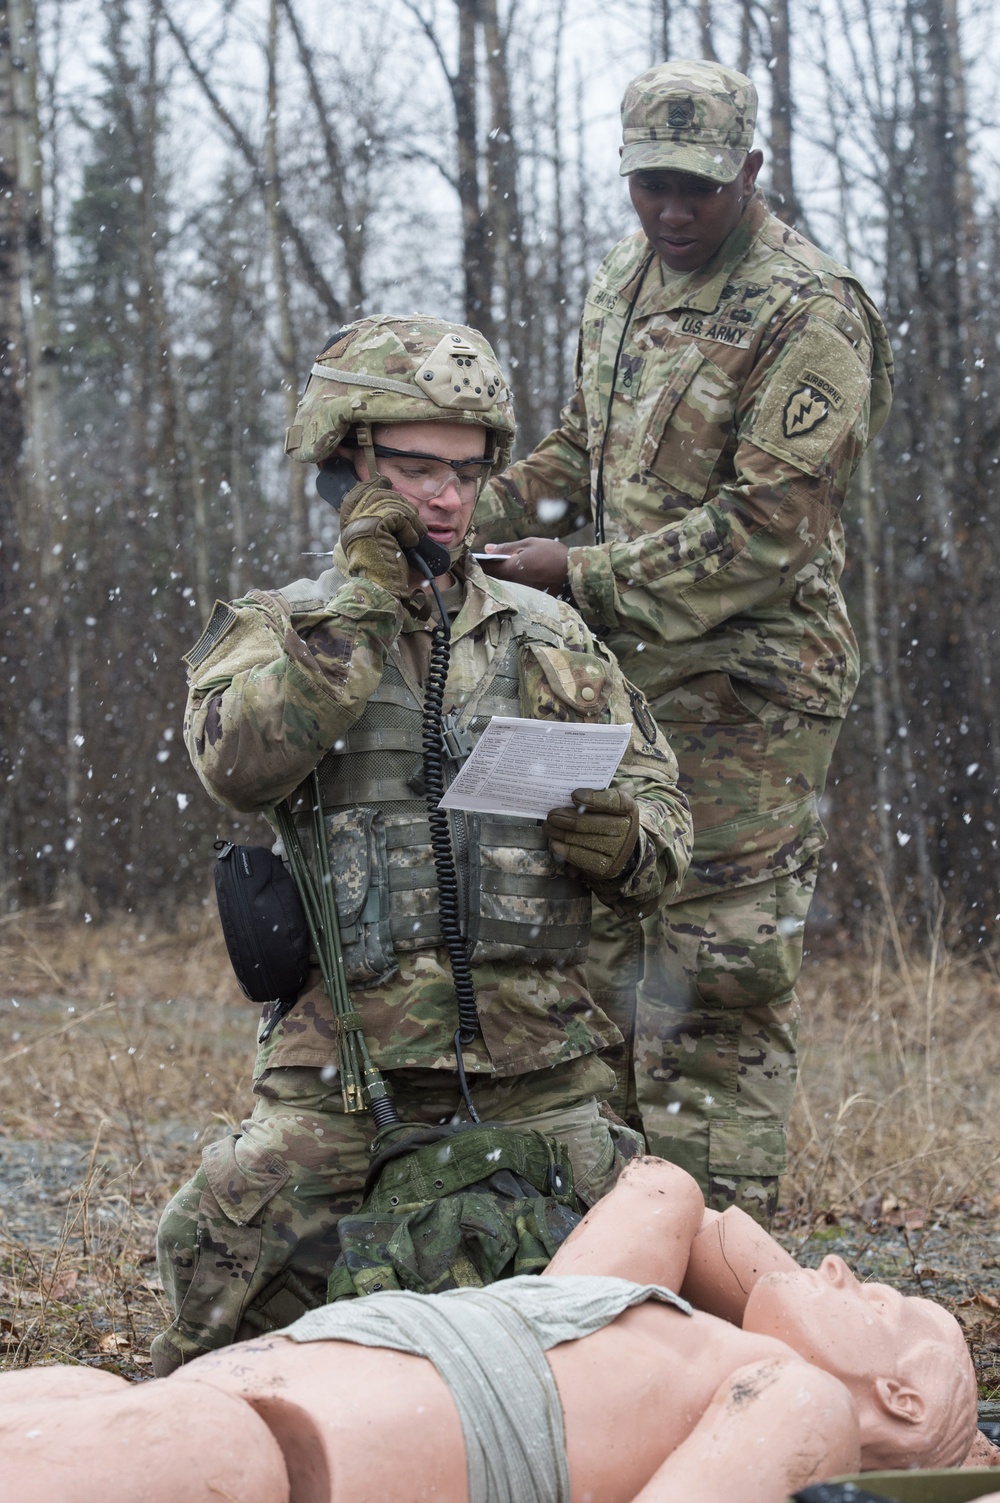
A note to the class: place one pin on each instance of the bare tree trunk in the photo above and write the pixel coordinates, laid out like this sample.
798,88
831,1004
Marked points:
71,884
927,886
288,352
706,26
44,444
505,223
477,251
559,284
477,239
967,229
746,36
871,554
179,423
782,186
237,500
16,555
661,18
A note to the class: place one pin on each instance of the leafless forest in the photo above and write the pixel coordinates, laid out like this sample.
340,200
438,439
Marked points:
194,197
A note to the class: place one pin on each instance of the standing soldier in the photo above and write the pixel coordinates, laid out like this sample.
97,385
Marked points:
406,417
729,378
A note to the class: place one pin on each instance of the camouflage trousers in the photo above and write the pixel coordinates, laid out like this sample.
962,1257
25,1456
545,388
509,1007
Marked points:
704,992
248,1244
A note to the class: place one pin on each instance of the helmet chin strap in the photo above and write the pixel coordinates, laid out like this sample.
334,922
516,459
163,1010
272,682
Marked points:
366,444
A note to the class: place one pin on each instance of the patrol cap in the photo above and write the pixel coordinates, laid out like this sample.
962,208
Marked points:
402,369
688,116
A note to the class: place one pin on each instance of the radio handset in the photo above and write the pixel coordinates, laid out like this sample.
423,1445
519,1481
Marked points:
337,476
428,558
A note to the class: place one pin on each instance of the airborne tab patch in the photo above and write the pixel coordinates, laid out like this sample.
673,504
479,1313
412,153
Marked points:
825,386
803,412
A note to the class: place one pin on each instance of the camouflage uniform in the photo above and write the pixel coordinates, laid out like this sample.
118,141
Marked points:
746,393
281,685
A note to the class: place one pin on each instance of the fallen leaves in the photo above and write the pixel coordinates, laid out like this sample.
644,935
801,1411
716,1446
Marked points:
980,1297
889,1211
60,1284
10,1336
115,1344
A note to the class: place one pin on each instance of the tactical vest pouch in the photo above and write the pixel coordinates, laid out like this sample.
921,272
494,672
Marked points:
262,923
356,841
456,1206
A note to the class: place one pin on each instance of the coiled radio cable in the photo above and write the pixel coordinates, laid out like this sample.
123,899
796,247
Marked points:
432,738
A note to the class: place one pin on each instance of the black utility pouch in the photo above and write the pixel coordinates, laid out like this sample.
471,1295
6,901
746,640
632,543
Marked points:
262,922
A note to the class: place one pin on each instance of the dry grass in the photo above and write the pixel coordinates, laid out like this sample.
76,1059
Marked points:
900,1084
126,1042
895,1154
117,1046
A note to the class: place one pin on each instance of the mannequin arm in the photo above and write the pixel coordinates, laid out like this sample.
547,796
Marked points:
642,1231
772,1427
729,1254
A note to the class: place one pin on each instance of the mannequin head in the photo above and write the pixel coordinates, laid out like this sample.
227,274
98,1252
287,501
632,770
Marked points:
903,1359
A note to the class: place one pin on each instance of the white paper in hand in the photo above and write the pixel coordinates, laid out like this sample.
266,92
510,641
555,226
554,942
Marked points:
529,767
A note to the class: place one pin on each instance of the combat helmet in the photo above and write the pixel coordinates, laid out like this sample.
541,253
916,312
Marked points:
391,369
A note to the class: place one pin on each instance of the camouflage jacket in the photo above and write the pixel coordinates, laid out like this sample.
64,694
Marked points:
745,396
276,683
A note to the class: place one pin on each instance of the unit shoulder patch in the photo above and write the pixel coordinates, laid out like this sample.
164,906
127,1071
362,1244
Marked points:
814,396
803,411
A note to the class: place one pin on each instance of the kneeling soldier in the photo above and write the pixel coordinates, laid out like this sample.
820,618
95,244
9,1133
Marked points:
329,675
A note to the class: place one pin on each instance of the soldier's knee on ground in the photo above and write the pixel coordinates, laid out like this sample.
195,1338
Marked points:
211,1244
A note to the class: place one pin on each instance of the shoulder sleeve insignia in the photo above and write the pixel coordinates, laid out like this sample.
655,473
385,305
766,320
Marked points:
803,412
811,401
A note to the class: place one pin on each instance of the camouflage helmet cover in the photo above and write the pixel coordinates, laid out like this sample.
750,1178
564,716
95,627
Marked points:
390,369
688,116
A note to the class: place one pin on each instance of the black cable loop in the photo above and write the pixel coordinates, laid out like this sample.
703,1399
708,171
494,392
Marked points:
432,739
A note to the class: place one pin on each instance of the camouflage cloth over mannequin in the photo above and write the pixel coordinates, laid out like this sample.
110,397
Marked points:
254,1233
457,1206
746,393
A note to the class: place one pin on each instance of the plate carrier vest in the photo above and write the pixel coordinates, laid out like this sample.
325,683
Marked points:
516,902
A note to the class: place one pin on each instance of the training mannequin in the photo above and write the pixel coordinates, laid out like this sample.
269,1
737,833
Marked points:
824,1376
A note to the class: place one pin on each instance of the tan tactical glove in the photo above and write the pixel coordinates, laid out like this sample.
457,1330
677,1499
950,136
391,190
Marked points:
375,526
599,835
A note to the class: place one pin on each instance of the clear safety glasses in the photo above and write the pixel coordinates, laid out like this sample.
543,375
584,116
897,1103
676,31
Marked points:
428,475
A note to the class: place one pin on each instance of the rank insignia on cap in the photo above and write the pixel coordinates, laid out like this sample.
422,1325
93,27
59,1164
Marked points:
804,411
680,114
